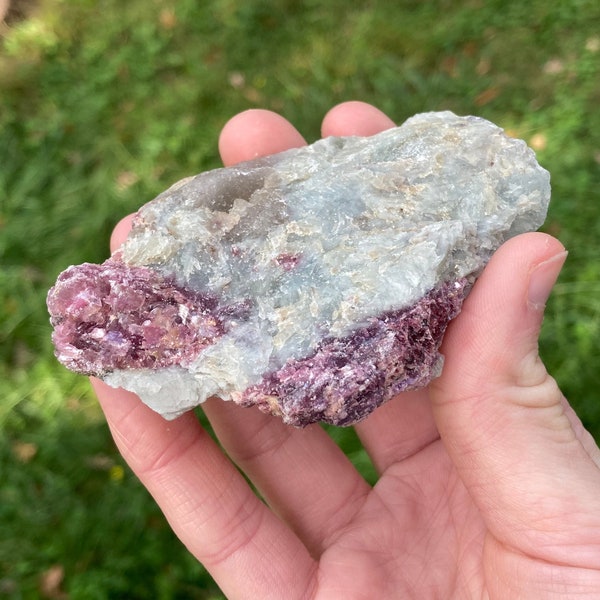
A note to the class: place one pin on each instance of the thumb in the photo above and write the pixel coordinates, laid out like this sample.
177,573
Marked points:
527,463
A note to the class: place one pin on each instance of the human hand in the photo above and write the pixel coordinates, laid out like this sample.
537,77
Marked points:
489,486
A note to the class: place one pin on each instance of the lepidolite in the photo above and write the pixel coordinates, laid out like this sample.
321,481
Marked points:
315,284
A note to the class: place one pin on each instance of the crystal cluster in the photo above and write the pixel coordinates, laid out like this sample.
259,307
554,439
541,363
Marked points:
315,284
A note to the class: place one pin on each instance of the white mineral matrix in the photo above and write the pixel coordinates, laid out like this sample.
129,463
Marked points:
316,283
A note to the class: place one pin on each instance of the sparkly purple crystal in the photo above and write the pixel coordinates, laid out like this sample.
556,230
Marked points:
112,316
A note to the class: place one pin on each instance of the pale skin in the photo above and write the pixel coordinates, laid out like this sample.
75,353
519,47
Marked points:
489,486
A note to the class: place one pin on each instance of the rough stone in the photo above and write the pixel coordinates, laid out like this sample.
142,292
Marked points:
315,284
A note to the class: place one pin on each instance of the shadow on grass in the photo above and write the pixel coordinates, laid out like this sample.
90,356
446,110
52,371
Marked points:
77,523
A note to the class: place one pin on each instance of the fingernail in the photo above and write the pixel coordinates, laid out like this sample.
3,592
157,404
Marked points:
542,279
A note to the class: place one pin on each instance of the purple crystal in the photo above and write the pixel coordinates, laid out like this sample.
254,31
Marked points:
112,316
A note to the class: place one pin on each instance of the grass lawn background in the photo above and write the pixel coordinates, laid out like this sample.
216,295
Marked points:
103,104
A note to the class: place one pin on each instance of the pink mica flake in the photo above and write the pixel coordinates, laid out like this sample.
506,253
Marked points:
346,378
288,261
114,316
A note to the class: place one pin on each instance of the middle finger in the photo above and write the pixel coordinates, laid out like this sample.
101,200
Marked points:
398,429
301,473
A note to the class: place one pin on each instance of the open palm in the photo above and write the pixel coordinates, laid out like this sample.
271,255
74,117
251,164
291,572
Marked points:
489,486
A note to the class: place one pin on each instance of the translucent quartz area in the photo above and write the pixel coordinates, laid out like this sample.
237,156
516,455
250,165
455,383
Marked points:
316,283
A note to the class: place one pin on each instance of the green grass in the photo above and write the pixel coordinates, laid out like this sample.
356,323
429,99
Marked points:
103,104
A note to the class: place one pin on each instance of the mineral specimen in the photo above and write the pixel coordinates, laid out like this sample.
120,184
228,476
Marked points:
316,283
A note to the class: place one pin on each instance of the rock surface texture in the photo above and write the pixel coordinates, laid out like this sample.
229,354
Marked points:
316,283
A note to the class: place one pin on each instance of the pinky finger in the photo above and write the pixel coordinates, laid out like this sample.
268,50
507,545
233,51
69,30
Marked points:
246,548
